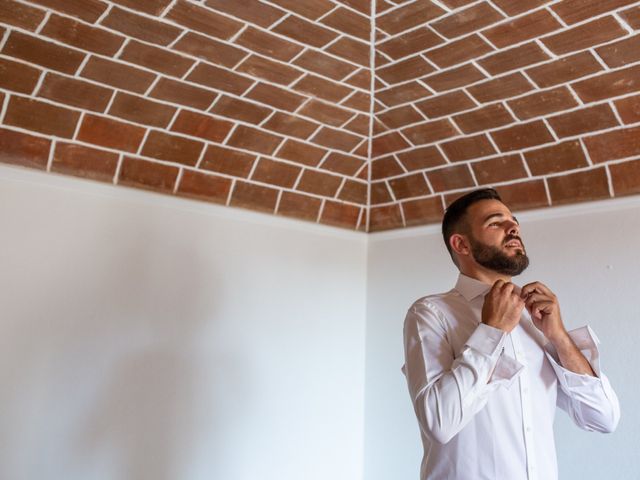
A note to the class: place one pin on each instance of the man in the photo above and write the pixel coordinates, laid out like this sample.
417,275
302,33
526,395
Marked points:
487,362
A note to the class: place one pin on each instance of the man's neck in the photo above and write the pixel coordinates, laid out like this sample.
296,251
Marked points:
484,275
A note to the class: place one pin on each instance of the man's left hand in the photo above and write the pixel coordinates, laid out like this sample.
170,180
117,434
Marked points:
544,309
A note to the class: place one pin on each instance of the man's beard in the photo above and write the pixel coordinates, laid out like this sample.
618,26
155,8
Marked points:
495,259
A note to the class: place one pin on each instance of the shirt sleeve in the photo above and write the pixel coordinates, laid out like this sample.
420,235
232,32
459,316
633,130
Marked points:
590,401
448,389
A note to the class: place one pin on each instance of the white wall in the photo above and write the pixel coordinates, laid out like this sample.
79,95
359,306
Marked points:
588,254
147,337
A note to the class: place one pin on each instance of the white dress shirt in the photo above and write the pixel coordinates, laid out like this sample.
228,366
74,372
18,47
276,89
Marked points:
485,400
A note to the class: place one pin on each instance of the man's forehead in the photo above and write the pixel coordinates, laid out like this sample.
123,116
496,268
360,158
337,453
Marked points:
482,210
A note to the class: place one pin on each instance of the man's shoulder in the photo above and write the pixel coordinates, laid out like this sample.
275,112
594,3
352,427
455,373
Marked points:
436,302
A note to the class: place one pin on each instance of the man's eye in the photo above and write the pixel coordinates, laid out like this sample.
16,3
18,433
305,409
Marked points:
494,224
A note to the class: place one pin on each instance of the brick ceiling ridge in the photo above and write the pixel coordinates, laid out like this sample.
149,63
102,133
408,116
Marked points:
361,114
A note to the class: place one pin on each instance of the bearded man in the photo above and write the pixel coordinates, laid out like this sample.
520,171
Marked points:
488,362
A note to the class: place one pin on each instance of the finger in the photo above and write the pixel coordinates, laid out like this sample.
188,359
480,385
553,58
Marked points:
537,297
497,285
507,288
536,287
542,307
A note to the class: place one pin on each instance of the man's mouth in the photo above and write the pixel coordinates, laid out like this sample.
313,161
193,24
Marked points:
513,244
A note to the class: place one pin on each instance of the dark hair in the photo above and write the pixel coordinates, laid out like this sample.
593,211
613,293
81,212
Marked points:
454,220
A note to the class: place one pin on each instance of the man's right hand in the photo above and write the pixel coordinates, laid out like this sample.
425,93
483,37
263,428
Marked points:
502,306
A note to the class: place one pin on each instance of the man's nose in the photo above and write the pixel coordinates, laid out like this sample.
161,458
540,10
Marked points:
513,229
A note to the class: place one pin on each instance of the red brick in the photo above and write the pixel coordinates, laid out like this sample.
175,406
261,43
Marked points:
408,92
305,32
182,93
523,28
268,70
385,218
22,149
409,43
499,88
319,87
255,140
84,162
325,113
290,125
220,79
585,36
152,7
380,193
385,167
450,178
609,84
579,187
542,103
41,117
349,22
422,211
614,145
140,27
513,58
276,97
499,169
468,20
573,11
556,158
140,110
156,58
485,118
204,20
311,9
454,78
413,185
328,66
585,120
139,173
203,186
75,92
299,206
117,75
82,36
240,110
302,153
87,10
340,214
268,44
18,76
353,191
319,183
336,139
459,51
629,109
399,117
255,197
359,101
276,173
411,15
430,132
354,50
522,136
632,17
172,148
564,70
421,158
625,177
524,195
203,126
20,15
388,143
468,148
230,162
515,7
405,70
621,53
253,11
210,50
40,52
360,125
456,3
110,133
341,163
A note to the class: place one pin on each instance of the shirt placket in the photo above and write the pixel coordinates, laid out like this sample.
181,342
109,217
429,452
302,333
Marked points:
525,404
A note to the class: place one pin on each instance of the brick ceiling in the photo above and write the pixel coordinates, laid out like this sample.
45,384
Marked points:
267,105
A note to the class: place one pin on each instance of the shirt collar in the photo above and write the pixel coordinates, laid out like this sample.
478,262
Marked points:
470,288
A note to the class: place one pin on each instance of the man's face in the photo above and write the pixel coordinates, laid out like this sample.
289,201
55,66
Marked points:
494,236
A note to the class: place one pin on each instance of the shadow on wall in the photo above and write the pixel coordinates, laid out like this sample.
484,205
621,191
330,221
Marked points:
115,377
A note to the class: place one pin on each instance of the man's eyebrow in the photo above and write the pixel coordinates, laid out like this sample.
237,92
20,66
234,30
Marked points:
489,217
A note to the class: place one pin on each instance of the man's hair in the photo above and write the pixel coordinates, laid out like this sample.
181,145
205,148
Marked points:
455,220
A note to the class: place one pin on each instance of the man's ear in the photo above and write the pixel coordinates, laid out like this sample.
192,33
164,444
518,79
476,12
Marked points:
459,244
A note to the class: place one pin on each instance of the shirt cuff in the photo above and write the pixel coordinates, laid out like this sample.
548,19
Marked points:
587,342
487,340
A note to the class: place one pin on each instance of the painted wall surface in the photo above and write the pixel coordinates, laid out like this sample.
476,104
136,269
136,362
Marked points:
588,255
144,337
